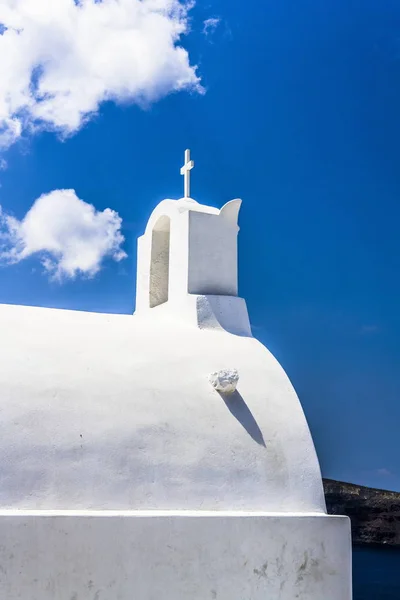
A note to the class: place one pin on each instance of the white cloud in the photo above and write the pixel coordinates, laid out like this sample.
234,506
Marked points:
70,236
370,329
210,25
60,59
384,472
3,164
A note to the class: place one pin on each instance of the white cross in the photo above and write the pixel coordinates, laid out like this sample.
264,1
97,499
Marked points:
185,171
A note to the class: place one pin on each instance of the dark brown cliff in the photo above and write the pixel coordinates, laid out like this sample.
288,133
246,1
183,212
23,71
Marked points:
374,514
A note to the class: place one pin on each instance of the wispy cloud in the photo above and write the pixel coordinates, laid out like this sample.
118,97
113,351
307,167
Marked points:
210,25
369,329
60,59
69,236
384,472
3,164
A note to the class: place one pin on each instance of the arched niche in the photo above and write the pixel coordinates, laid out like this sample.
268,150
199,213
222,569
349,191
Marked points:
159,262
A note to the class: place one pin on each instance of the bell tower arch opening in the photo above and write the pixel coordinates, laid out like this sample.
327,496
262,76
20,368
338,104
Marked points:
159,262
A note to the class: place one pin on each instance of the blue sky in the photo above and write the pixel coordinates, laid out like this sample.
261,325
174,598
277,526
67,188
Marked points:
299,116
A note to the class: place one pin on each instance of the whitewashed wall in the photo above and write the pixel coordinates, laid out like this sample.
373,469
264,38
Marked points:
173,557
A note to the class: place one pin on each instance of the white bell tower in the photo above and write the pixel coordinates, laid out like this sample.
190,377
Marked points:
189,250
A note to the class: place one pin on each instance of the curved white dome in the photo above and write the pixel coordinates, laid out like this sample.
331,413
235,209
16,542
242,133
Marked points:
107,412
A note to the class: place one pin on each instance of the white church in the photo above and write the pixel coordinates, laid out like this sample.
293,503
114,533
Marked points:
164,455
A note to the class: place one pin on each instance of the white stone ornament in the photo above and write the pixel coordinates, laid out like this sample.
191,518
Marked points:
225,381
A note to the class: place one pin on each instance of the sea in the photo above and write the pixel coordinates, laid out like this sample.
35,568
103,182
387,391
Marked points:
376,574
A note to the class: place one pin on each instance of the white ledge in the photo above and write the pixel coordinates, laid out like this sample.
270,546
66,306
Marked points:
158,513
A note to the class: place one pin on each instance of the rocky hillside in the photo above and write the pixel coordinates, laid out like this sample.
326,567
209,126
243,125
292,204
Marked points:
374,514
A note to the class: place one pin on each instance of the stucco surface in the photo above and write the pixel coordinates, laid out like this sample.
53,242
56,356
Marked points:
126,470
174,557
117,412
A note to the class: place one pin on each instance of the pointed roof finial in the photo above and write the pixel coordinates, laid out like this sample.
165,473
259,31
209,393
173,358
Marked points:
185,171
